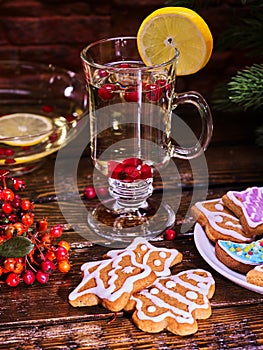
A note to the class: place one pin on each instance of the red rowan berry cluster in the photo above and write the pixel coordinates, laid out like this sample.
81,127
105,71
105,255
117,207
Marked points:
28,251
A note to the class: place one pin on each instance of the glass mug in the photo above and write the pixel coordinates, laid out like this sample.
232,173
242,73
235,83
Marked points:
131,111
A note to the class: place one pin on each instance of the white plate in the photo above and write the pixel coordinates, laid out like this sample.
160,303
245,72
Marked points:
207,251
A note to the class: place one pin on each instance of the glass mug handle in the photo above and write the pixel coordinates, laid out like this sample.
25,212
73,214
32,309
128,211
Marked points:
196,99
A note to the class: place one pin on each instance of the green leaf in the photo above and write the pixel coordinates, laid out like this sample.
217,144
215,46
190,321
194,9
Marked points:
16,247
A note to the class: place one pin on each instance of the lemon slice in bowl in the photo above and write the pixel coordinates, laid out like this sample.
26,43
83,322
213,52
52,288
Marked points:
175,27
24,129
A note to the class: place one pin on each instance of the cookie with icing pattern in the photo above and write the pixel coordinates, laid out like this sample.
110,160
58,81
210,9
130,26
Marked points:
247,205
174,303
255,276
241,257
113,280
219,222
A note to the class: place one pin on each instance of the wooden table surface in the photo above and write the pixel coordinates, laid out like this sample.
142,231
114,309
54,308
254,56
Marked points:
40,317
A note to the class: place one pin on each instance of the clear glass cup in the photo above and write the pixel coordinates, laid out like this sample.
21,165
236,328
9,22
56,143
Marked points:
131,110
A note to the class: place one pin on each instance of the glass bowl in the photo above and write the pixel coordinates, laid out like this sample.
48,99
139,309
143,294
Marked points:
39,105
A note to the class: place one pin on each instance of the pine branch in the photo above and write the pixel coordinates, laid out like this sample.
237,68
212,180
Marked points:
243,91
246,88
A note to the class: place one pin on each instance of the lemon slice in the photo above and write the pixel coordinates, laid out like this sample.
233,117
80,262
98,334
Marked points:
24,129
175,27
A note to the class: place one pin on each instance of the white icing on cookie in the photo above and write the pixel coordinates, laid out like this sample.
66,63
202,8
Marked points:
230,225
197,284
138,268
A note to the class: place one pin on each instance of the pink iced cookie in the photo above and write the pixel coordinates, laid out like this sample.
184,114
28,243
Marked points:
248,207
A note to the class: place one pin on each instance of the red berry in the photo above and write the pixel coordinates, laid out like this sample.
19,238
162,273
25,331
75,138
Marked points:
20,229
28,219
9,264
169,234
26,204
7,194
47,266
29,277
90,192
12,280
61,253
18,184
42,225
7,208
131,95
56,231
64,265
106,92
64,244
42,277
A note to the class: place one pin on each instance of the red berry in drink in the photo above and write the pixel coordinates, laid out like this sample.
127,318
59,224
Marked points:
29,277
9,152
47,266
42,277
154,92
161,82
12,280
169,234
61,253
132,162
89,192
106,92
103,73
146,172
131,95
132,173
124,65
56,231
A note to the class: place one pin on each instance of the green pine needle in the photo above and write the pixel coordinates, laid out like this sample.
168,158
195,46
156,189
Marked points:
246,88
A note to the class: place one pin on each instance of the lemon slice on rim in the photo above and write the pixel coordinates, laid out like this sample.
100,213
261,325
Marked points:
24,129
175,27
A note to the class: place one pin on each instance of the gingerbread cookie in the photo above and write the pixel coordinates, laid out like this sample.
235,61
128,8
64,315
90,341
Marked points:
248,207
112,281
255,276
240,257
219,222
174,303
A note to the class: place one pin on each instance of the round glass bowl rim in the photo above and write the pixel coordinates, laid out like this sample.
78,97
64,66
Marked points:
134,69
